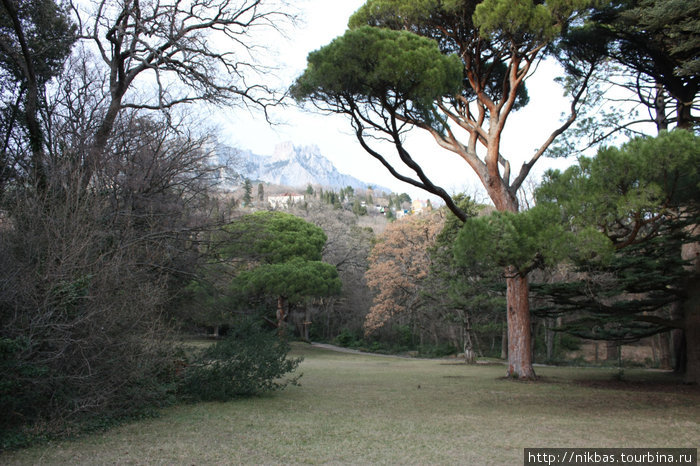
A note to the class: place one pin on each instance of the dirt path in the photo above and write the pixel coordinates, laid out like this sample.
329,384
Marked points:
340,349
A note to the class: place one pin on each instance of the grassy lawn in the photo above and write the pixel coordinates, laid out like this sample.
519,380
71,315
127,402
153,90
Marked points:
372,409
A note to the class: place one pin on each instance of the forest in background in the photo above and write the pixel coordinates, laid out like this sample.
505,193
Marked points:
114,240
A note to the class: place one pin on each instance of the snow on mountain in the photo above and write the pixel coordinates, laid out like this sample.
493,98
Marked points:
294,166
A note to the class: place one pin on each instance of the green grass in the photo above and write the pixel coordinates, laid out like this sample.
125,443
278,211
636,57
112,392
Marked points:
374,409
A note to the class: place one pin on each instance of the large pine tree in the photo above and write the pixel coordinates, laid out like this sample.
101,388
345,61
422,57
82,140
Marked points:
643,198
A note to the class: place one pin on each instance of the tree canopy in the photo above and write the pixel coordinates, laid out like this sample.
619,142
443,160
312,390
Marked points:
295,280
371,64
36,38
399,265
642,198
481,53
652,51
628,192
285,252
526,240
274,237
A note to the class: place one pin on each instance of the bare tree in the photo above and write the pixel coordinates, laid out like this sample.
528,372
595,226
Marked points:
159,55
87,276
347,248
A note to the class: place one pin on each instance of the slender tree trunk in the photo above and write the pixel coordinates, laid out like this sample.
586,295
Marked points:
660,108
612,350
684,115
549,338
469,354
518,312
665,351
678,339
31,103
281,314
96,152
691,317
504,343
692,336
307,322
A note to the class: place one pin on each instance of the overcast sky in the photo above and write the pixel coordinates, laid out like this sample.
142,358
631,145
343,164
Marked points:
320,22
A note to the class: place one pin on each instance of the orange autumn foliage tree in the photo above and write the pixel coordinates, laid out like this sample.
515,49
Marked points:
398,266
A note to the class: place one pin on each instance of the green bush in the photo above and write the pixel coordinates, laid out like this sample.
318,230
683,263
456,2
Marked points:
18,396
348,339
569,342
247,362
437,351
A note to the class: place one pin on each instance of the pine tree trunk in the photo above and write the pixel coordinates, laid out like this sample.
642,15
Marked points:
518,313
549,338
691,314
684,115
678,340
504,343
469,354
612,351
281,314
665,351
691,326
307,322
692,368
517,289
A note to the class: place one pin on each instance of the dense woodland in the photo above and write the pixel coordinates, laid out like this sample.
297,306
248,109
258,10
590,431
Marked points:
116,244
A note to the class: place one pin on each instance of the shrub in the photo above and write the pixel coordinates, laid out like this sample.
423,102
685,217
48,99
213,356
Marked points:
348,339
82,336
248,362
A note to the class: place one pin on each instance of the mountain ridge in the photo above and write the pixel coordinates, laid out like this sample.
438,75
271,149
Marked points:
296,167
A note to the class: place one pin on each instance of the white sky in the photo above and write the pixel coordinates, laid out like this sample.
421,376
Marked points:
322,21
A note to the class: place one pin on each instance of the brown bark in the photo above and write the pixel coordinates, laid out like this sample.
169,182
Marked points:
660,108
519,342
612,351
549,337
517,299
665,351
281,314
104,131
691,316
306,323
504,343
684,115
692,336
469,354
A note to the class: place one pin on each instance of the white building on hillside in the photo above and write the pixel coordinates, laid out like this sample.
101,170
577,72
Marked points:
285,200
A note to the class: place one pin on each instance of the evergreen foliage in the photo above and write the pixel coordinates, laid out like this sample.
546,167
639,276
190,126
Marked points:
624,298
249,361
525,240
654,45
273,237
284,254
471,294
247,193
398,67
296,280
643,198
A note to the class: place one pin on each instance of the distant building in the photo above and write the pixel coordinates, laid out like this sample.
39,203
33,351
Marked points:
419,206
285,200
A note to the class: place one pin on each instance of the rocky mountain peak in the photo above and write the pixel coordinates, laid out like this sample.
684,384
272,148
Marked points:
295,166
